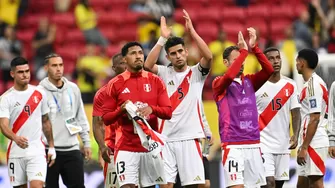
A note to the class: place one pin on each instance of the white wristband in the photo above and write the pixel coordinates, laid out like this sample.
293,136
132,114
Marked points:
161,41
52,152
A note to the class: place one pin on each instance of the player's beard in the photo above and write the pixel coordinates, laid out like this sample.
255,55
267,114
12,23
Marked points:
138,67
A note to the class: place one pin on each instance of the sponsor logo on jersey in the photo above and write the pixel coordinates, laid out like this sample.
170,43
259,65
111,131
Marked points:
197,178
160,179
126,90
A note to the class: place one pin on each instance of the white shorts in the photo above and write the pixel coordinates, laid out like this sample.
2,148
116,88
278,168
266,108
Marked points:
277,165
315,162
33,168
243,166
184,157
110,177
139,168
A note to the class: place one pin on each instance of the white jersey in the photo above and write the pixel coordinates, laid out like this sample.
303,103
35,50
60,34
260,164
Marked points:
274,104
184,89
314,99
24,109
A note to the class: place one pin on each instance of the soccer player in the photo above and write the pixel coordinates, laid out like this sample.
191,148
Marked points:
182,152
313,139
105,137
276,100
23,116
68,118
234,94
133,163
331,121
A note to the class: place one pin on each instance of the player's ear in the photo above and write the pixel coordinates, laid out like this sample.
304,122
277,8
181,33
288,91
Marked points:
12,73
226,62
168,57
186,51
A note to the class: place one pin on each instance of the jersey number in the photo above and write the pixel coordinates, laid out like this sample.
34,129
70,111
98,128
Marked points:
27,109
11,166
120,167
181,94
276,104
114,176
232,164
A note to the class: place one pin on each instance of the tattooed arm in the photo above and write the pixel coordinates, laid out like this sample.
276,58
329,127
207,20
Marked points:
47,130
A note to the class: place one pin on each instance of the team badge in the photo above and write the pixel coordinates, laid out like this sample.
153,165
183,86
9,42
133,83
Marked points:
36,99
147,87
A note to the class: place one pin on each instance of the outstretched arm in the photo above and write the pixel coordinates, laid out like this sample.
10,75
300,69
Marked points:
206,53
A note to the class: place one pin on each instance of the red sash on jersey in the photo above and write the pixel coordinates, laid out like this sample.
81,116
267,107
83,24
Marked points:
178,96
267,115
32,103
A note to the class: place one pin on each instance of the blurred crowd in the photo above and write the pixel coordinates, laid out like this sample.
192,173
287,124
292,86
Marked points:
313,28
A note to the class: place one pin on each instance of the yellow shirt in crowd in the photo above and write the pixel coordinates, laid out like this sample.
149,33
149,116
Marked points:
86,18
9,11
217,47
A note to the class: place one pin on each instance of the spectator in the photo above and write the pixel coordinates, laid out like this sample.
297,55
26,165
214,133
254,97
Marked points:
178,29
303,35
289,49
43,45
217,47
91,72
151,43
158,8
9,11
62,5
145,26
138,6
10,47
87,22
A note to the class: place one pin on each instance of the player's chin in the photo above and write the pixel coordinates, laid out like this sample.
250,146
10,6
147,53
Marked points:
139,67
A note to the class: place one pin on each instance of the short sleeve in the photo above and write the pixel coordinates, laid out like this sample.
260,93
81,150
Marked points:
98,103
294,100
199,73
314,97
45,106
4,107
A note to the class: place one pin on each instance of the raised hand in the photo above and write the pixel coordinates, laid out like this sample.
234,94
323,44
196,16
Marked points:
165,30
188,23
252,37
241,42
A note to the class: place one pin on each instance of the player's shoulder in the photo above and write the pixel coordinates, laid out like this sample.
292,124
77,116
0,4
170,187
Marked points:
288,80
8,94
116,81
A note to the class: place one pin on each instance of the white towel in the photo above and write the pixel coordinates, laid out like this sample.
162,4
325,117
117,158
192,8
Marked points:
150,139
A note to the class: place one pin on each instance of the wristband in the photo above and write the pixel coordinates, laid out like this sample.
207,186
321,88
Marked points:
52,152
161,41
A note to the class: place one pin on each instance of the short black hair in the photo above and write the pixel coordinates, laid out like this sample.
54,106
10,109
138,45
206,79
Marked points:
17,62
173,41
271,49
227,51
310,56
52,55
125,48
116,56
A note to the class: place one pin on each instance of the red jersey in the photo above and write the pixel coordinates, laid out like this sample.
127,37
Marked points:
97,111
143,89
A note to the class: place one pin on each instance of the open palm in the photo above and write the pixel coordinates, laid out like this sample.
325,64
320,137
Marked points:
188,24
165,30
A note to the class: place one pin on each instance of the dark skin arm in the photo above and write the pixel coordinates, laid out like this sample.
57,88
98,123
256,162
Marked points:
99,135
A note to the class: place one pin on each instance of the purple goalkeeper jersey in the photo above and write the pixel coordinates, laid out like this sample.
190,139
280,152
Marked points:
238,116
